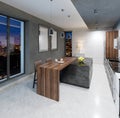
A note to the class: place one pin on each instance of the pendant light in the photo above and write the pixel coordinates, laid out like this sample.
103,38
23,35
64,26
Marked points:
62,34
51,30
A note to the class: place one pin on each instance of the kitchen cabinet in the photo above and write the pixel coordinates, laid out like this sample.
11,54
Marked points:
113,79
110,74
111,52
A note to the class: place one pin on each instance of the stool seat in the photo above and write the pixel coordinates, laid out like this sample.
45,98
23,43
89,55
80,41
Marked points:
49,60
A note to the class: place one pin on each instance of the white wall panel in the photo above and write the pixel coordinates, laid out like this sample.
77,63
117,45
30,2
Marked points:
90,43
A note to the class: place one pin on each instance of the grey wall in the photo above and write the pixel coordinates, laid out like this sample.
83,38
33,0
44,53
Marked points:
31,37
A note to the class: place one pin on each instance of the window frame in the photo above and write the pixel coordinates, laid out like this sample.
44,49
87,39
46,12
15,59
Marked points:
8,41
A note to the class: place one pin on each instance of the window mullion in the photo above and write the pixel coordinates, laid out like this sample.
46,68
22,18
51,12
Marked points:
8,47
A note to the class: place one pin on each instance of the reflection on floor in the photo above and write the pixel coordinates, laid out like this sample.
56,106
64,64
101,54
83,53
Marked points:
20,100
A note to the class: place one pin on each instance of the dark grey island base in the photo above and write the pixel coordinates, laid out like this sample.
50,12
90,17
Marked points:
78,74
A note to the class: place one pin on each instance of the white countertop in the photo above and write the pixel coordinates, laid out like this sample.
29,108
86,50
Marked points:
118,75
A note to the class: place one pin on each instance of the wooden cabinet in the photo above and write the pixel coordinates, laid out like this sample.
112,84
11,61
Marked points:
68,44
111,52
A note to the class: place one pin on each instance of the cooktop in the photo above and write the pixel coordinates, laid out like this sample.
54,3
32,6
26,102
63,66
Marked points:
115,66
114,59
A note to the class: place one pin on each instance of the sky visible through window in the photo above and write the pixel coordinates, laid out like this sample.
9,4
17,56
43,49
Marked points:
15,31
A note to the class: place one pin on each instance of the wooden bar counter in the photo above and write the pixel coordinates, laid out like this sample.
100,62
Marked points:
48,75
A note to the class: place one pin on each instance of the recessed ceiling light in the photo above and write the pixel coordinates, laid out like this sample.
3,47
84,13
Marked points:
95,11
62,10
69,16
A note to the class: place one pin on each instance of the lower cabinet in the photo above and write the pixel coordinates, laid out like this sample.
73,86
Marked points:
113,79
110,74
116,91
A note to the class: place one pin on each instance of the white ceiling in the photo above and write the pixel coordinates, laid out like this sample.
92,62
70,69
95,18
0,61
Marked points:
51,12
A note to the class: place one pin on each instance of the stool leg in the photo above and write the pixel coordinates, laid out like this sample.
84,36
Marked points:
34,79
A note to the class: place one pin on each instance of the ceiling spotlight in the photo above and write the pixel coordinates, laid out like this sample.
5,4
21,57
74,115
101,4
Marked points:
51,30
62,10
95,11
69,16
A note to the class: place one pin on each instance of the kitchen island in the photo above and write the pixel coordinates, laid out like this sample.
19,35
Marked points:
79,74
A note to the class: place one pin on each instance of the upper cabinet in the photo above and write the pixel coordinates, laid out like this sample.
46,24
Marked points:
111,51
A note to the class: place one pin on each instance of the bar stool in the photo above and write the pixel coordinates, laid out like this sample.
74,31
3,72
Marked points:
36,64
48,60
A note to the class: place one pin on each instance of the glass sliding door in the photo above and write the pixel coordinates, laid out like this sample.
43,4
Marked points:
11,47
16,47
3,48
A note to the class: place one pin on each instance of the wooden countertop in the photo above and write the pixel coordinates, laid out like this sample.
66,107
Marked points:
48,77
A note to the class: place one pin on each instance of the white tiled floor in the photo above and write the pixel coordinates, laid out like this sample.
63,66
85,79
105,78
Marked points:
20,100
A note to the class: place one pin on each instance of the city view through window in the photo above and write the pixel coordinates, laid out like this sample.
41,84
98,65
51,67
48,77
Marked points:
11,47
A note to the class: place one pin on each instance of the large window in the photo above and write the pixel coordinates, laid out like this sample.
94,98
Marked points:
11,47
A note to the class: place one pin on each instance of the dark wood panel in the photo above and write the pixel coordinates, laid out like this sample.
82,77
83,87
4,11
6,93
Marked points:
55,85
107,45
48,79
47,83
110,51
42,86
